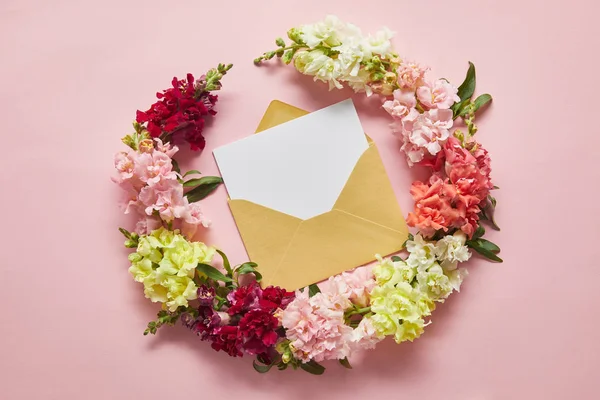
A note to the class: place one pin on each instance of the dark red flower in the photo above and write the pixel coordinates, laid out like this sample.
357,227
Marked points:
244,298
206,296
274,297
228,339
179,113
258,329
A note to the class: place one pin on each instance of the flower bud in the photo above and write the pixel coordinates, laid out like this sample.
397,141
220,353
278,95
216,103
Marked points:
146,146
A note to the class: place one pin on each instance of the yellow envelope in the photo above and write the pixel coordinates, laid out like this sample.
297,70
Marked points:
293,253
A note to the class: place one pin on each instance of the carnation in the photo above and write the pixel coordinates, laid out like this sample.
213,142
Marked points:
315,327
355,286
258,329
451,250
164,262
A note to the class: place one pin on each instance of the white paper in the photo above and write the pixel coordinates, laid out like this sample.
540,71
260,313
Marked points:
299,167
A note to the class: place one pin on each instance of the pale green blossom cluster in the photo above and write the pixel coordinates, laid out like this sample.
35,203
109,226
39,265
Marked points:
407,290
338,53
165,263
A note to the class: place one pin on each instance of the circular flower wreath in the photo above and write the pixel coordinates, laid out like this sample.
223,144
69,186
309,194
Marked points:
356,309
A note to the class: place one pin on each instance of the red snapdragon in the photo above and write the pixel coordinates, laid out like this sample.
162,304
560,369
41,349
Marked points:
179,113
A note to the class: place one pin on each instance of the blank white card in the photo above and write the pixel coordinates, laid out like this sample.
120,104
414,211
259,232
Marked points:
299,167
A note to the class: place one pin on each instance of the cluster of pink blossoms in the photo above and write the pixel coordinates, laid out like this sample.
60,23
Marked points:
460,184
422,127
153,189
318,326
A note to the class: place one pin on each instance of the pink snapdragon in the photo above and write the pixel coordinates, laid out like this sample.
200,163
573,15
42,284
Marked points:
424,134
404,100
440,94
153,191
411,75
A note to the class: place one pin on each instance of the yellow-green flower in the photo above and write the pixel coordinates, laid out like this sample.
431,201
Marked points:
384,324
434,283
388,272
164,262
399,302
409,330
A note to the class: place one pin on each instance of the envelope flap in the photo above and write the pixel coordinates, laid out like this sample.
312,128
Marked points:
266,233
368,193
277,113
329,244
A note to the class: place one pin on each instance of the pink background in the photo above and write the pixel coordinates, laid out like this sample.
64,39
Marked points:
74,72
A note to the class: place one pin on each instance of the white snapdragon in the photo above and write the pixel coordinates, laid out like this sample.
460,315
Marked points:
451,249
378,44
351,55
328,31
422,253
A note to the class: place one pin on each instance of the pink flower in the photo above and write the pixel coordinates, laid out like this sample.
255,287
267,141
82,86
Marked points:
190,221
403,101
166,148
166,197
354,286
411,75
146,224
433,206
441,94
425,133
154,166
315,326
124,164
469,172
365,337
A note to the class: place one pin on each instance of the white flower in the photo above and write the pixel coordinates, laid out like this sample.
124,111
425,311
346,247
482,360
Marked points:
360,82
322,67
327,31
456,277
379,44
351,55
422,253
451,250
434,282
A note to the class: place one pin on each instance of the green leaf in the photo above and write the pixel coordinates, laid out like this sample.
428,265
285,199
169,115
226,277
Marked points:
175,165
226,263
344,361
461,108
396,258
467,88
313,289
479,232
410,238
313,367
492,200
190,172
212,273
261,368
481,101
249,268
485,248
282,366
204,186
496,187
